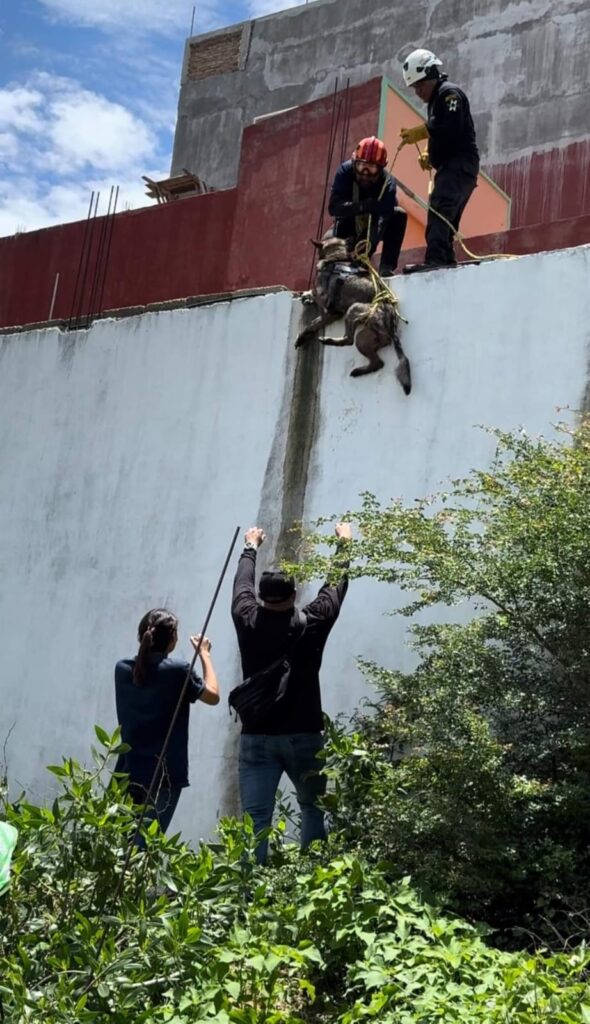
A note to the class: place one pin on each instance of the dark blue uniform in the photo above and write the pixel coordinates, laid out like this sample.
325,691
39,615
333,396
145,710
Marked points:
351,205
454,155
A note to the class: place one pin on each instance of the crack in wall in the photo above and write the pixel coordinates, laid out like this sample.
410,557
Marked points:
301,434
283,493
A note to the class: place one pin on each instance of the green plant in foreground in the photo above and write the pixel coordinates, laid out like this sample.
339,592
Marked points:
474,774
208,936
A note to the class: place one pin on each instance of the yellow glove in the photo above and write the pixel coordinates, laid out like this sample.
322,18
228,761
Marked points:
409,135
424,161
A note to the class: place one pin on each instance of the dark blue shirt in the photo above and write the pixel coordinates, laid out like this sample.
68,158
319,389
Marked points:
451,130
145,713
262,636
377,198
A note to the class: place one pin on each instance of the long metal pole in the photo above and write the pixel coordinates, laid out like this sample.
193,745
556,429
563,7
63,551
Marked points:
87,261
333,134
345,121
119,887
82,254
52,306
98,264
108,251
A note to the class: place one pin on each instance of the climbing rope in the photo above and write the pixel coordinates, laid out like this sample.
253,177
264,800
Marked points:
457,235
383,293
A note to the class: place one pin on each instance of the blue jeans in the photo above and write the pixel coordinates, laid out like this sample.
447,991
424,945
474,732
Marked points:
263,759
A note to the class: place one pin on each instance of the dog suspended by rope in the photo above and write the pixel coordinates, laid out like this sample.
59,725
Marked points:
346,284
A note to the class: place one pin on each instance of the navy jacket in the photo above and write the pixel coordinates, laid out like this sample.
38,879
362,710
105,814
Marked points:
144,714
263,636
342,202
451,130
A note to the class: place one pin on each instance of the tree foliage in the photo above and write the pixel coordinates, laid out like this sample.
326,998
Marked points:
474,776
208,936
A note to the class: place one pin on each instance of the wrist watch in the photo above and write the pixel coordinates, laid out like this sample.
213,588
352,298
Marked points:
250,546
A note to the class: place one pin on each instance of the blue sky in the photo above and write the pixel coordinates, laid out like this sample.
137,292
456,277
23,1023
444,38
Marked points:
88,94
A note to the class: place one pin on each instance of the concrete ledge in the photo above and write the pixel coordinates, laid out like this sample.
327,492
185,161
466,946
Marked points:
152,307
560,234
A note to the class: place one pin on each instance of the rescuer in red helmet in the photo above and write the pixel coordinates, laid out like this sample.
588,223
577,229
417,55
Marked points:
363,203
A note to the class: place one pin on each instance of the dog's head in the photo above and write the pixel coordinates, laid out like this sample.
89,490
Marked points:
331,250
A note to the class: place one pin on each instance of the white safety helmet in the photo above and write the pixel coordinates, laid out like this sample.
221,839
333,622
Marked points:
419,65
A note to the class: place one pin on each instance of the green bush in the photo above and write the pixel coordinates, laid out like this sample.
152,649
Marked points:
207,936
474,775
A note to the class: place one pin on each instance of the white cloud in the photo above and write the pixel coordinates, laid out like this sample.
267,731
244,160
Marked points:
8,145
63,126
25,208
88,129
143,17
70,140
19,109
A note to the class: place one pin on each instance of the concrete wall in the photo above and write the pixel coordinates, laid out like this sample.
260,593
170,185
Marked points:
523,63
130,452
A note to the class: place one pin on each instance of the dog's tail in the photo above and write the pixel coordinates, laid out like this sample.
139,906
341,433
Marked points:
391,323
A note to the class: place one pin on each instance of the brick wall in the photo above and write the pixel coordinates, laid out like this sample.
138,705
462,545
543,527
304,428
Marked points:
214,56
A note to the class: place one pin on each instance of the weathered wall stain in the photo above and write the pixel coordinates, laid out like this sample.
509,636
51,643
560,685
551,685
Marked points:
283,492
303,421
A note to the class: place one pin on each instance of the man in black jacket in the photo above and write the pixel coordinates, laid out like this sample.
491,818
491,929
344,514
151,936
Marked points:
363,201
288,737
452,151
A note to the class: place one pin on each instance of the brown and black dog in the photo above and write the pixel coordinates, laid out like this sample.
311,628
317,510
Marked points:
344,288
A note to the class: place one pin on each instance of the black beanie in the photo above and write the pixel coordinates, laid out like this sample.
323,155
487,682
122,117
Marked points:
275,586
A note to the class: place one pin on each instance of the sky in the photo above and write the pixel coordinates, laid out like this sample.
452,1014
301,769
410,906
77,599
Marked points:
88,96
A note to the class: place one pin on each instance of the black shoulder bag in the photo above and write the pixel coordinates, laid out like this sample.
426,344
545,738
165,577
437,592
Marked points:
261,692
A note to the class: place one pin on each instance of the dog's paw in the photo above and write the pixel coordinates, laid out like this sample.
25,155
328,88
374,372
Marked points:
357,372
307,298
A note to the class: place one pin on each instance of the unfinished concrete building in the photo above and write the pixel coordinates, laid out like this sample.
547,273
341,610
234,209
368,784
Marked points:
523,64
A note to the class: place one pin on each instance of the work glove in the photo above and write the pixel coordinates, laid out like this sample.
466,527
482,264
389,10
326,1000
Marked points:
424,161
410,135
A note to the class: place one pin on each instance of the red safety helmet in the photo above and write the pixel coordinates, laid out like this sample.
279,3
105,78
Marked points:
372,151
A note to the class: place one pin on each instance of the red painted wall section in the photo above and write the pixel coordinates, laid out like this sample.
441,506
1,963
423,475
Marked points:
257,235
156,253
180,250
546,187
281,187
561,234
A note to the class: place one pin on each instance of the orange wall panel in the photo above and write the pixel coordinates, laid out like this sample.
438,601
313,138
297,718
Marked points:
487,211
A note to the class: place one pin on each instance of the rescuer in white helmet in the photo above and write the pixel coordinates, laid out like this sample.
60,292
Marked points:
452,151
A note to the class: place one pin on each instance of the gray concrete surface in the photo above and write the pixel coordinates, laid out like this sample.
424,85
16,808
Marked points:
129,452
524,64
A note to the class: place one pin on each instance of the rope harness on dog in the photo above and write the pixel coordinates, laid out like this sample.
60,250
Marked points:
383,293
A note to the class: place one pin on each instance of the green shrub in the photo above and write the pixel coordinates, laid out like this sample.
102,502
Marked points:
207,936
474,775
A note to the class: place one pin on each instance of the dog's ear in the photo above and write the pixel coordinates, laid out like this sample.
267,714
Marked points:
316,244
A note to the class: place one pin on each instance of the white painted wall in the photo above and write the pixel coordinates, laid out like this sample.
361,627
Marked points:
129,453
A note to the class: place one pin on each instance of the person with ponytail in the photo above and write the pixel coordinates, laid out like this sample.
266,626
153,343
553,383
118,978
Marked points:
147,691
